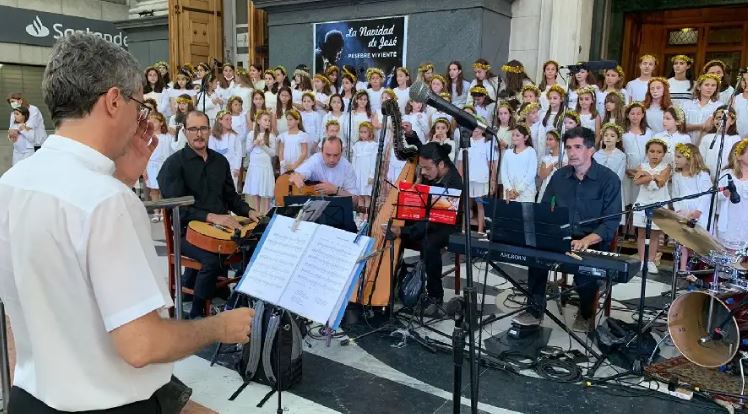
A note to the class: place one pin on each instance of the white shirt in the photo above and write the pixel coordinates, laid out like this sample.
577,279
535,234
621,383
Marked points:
36,123
680,91
518,173
230,146
342,174
709,148
741,110
375,99
637,90
697,114
403,95
80,264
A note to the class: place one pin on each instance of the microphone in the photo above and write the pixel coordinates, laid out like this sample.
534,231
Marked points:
734,196
593,65
420,92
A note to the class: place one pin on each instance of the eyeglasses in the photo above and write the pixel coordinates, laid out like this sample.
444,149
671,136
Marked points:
143,109
202,129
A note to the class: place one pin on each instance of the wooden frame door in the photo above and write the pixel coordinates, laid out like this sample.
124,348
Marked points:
195,32
257,36
703,34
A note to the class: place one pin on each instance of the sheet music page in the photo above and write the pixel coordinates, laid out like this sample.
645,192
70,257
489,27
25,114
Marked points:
276,257
323,274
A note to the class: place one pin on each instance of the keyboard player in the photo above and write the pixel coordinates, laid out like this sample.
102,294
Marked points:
588,190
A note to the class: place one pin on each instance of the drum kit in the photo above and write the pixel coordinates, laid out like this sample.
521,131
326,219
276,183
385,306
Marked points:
707,326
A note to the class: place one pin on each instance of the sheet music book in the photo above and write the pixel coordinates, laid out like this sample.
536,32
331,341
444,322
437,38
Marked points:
311,271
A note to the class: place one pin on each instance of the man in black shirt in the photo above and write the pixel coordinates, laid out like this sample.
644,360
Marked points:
588,190
204,174
430,238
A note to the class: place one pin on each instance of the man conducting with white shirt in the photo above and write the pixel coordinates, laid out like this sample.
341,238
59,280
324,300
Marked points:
335,174
79,274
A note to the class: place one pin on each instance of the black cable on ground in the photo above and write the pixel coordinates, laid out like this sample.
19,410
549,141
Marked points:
559,370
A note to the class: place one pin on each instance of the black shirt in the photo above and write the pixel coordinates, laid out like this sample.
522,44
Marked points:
185,173
597,194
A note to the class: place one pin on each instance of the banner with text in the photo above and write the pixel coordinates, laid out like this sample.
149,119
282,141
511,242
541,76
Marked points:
380,42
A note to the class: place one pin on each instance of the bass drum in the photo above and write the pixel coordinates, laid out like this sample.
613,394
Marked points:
688,321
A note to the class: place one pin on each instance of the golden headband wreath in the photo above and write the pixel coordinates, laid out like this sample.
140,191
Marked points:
366,124
281,68
680,116
389,92
714,62
589,89
573,115
234,98
531,87
554,133
221,114
332,122
684,150
161,63
440,78
648,56
478,90
483,66
332,69
558,89
294,113
309,94
181,99
513,69
706,76
425,67
635,104
446,95
352,76
618,94
300,72
404,70
619,71
660,79
242,72
323,78
741,146
682,58
657,141
468,107
374,71
505,104
550,62
269,72
532,106
613,126
442,120
260,113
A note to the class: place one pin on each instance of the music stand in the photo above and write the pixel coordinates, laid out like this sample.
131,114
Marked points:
338,214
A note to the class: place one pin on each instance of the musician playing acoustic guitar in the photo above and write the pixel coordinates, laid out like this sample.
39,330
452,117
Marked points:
335,174
204,174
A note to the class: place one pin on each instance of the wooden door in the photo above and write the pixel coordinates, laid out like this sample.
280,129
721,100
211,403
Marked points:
703,34
195,32
257,36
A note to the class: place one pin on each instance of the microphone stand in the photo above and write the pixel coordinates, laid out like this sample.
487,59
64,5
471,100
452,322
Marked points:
723,128
469,291
350,124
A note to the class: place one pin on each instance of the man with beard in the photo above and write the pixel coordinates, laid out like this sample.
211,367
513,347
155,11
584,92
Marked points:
204,174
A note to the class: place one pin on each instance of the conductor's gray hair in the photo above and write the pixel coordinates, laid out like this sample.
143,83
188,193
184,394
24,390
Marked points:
81,68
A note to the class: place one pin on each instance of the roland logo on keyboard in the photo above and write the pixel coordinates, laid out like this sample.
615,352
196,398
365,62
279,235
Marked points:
512,256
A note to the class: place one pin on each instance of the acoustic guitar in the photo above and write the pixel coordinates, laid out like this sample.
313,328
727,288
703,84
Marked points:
284,187
216,238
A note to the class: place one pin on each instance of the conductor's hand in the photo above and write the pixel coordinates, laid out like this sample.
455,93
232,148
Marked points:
235,325
225,220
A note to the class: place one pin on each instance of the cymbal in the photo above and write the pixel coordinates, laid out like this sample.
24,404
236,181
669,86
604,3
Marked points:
695,238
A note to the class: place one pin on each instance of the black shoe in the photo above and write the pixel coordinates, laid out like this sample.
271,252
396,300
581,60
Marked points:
433,308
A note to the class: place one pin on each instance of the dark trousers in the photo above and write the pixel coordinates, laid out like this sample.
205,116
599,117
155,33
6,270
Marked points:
21,402
586,287
203,281
429,239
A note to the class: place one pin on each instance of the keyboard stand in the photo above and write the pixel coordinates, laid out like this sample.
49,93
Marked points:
553,317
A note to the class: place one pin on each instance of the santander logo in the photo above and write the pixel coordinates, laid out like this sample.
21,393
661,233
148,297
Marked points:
37,28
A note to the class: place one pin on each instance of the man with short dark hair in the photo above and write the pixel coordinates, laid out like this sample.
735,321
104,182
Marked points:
85,290
588,190
205,174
